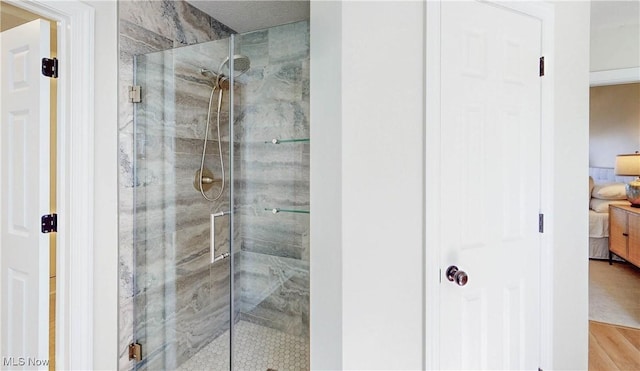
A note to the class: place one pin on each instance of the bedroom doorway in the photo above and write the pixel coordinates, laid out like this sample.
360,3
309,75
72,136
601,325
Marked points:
614,129
614,289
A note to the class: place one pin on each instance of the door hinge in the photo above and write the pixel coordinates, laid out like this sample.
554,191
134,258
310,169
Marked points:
135,351
50,67
541,66
49,223
541,223
134,94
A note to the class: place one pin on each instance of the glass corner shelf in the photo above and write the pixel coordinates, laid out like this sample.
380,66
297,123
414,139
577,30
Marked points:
281,141
277,210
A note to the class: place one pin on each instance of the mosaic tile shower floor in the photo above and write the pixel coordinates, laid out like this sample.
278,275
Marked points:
258,348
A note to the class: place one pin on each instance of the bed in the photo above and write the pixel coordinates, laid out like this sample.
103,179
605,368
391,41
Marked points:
599,220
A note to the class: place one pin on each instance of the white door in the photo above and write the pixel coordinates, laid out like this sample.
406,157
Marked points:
24,158
490,184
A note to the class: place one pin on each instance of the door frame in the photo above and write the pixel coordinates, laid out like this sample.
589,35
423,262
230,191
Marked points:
75,186
614,77
546,14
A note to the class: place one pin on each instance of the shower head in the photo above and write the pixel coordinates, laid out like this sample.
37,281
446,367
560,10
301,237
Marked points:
241,64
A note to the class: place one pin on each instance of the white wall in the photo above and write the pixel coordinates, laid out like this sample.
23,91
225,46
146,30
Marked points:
570,219
615,47
105,311
375,135
382,184
614,123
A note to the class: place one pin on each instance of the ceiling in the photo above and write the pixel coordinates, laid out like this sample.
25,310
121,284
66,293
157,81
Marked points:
243,16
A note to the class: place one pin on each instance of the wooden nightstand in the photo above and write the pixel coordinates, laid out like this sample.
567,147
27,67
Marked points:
624,233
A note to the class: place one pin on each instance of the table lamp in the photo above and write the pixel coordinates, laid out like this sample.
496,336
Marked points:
629,165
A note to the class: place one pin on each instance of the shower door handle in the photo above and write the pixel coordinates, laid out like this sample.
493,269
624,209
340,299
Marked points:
215,258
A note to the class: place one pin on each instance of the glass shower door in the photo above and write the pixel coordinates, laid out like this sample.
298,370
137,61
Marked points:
181,298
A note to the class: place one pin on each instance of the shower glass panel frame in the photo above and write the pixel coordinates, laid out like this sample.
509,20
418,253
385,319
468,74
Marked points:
188,311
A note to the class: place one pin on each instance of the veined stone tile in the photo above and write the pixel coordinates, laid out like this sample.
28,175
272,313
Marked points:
280,120
166,168
174,20
159,359
179,190
207,325
274,83
185,305
171,218
194,146
252,38
125,333
155,262
207,55
287,166
290,41
155,16
202,318
273,248
196,26
306,73
126,217
125,79
276,290
265,273
125,270
269,152
283,194
135,39
125,160
255,46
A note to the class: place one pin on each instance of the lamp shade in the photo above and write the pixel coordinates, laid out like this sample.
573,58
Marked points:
628,165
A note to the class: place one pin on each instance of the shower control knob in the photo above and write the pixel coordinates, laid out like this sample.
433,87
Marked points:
455,275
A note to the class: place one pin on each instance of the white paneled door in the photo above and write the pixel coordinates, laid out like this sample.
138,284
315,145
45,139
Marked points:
490,187
24,156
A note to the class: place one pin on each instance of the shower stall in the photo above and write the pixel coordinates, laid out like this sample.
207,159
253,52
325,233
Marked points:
220,169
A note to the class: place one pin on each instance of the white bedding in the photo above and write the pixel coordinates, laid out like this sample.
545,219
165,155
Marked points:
598,224
599,248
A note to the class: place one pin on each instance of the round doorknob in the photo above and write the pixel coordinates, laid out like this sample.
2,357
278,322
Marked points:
455,275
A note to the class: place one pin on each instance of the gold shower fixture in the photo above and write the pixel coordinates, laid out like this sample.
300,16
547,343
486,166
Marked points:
207,180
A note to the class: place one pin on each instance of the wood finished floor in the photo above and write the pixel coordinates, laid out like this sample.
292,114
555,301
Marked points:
613,347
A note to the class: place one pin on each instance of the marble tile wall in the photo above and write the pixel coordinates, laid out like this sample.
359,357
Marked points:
177,302
272,101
